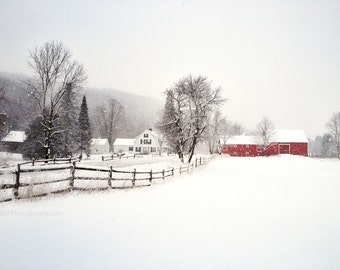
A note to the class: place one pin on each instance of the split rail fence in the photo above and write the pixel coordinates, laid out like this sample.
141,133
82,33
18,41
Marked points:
30,180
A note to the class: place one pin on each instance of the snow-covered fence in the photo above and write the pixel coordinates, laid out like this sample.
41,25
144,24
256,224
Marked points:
53,161
29,180
120,156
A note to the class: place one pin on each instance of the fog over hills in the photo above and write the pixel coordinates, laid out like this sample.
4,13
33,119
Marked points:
141,111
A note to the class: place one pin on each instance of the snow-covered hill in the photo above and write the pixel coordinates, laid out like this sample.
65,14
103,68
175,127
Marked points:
235,213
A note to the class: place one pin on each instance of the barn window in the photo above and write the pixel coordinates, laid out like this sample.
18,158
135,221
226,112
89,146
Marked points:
138,149
141,141
247,153
247,146
153,149
131,148
146,135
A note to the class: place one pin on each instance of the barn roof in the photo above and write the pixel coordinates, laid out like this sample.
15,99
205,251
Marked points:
241,140
279,136
15,136
122,141
290,135
99,141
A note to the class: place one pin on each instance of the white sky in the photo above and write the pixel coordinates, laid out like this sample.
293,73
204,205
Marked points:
274,58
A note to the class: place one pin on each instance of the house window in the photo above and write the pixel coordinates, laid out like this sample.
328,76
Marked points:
138,149
146,141
130,148
141,141
247,153
146,135
153,149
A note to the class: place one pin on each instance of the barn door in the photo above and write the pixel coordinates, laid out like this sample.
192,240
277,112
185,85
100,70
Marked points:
284,149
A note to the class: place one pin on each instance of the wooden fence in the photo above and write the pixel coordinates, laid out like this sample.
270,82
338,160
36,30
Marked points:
29,180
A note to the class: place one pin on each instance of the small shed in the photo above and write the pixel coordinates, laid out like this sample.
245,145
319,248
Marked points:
122,145
100,146
13,141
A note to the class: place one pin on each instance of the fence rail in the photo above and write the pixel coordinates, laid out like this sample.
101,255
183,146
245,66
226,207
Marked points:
35,181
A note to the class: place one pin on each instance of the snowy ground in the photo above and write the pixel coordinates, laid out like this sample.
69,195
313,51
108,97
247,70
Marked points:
234,213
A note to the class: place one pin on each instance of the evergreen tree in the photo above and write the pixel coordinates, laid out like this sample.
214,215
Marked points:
84,128
69,122
33,146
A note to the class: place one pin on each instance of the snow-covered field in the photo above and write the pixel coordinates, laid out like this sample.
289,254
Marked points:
234,213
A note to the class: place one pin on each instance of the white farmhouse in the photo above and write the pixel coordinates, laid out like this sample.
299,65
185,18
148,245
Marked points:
100,146
123,145
147,142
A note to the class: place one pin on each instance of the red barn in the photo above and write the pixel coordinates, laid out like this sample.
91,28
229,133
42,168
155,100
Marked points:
242,146
284,141
289,141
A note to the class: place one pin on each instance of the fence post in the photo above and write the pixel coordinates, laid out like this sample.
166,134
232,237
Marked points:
173,171
150,179
163,174
134,177
53,160
110,177
196,163
200,160
180,169
188,168
73,172
33,161
102,158
17,183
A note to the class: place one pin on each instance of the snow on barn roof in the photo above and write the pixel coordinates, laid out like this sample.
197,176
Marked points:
290,135
15,136
99,141
121,141
279,136
241,139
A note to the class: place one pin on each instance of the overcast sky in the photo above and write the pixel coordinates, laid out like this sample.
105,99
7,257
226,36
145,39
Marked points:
272,58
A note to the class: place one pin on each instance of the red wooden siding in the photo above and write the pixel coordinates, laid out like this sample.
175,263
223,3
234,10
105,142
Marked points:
241,150
274,149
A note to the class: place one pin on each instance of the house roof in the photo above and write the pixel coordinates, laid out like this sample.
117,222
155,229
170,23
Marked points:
99,141
122,141
15,136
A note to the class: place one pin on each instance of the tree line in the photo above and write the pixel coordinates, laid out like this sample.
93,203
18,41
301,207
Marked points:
51,108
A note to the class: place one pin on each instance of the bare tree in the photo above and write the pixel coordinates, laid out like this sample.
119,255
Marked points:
188,106
333,126
173,121
54,71
110,117
265,132
216,131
